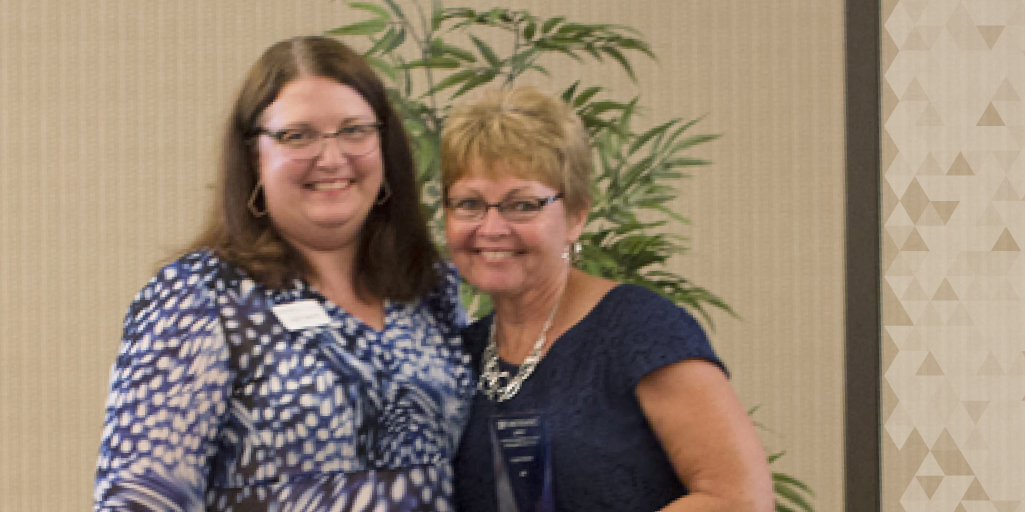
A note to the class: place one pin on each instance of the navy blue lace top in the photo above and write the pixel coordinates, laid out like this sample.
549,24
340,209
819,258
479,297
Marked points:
214,405
605,456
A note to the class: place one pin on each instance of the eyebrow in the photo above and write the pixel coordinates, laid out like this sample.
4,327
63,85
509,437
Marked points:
344,122
357,119
518,190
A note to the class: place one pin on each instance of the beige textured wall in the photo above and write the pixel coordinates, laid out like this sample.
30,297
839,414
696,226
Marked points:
953,224
109,110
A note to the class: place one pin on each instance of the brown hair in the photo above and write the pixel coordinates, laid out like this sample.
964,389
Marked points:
395,257
535,135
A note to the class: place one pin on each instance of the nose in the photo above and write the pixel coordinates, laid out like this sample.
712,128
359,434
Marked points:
492,223
331,153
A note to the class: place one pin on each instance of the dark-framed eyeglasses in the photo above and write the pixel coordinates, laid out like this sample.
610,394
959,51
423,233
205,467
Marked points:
515,209
354,140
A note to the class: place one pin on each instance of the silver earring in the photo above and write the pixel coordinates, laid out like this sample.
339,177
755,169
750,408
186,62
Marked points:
385,192
571,252
252,201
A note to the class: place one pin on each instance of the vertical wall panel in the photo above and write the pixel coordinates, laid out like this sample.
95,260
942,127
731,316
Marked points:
110,109
768,216
952,274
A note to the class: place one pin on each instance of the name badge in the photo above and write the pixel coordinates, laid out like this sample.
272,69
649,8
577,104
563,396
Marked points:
302,314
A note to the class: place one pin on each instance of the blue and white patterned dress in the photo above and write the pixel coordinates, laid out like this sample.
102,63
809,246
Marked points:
215,405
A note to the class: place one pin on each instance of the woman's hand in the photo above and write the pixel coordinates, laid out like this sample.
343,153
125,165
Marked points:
708,437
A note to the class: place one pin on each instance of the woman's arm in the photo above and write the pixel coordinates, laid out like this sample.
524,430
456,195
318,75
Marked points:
708,437
168,395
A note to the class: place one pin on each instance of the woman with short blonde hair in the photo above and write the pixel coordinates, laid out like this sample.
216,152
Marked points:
592,395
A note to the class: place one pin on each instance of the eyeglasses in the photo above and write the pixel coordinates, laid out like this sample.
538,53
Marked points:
354,140
517,209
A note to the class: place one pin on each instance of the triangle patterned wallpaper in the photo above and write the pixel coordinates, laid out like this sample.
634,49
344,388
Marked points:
953,354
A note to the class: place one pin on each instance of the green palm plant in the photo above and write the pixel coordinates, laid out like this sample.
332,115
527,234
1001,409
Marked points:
433,57
635,170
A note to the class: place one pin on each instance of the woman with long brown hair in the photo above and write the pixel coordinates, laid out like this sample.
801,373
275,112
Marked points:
303,354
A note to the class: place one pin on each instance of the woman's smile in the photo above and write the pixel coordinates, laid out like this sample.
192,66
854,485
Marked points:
330,185
491,254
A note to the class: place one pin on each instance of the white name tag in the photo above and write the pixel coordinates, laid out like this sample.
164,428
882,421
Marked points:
303,314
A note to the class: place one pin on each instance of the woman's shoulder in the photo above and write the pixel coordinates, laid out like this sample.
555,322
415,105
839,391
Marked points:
446,284
190,270
632,317
195,272
645,331
448,277
636,304
625,293
205,265
443,301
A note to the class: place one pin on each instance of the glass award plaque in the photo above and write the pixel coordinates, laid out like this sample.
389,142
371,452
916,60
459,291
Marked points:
523,462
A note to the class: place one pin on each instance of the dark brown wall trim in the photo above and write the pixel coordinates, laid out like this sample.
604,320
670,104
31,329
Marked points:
862,309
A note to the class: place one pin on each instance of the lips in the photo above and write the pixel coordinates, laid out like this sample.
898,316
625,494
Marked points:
330,185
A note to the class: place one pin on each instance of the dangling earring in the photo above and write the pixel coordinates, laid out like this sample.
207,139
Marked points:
571,252
252,201
385,192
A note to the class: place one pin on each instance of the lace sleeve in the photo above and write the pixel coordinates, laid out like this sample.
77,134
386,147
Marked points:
653,333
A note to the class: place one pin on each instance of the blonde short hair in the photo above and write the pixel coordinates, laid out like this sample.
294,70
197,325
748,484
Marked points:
522,131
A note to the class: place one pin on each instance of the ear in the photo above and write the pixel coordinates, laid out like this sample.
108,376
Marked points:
575,222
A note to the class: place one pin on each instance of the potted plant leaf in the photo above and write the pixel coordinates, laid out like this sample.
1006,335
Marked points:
431,58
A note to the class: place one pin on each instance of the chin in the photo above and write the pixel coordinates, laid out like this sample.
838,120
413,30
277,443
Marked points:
337,216
495,286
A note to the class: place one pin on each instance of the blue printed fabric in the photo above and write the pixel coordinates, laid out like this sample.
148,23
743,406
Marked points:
605,455
214,405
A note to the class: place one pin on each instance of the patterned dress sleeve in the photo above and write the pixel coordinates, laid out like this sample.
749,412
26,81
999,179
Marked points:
168,395
654,333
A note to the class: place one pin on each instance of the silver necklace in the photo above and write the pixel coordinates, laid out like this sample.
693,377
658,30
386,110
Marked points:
497,384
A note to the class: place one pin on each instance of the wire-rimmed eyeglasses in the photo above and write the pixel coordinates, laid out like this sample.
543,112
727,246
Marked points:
516,209
354,140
